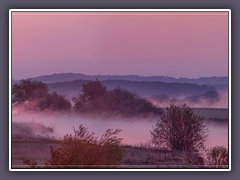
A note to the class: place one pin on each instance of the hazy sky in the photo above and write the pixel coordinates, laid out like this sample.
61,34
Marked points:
179,44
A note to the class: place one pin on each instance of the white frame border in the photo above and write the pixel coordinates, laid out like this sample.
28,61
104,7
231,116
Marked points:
119,10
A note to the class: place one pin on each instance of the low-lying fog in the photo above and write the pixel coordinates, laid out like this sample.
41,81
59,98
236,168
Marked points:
134,131
221,101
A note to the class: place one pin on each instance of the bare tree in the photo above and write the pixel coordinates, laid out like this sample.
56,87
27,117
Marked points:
179,129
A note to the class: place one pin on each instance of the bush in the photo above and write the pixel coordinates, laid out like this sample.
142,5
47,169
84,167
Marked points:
217,156
179,129
83,149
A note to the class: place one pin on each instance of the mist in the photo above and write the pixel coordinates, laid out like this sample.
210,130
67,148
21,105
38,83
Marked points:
31,130
134,130
221,101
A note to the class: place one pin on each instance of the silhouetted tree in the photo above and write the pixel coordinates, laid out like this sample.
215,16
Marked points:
130,104
28,90
37,92
95,98
54,102
93,89
91,97
179,129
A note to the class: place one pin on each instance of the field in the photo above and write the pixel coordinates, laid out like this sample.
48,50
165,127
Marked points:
135,155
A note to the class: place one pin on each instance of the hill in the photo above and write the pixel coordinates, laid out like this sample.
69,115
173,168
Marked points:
61,77
143,88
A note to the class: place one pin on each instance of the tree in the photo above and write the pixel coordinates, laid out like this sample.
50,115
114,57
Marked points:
93,93
85,149
54,102
96,98
179,129
217,156
28,90
36,94
127,103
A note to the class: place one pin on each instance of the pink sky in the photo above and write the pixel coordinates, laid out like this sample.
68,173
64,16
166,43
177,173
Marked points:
179,44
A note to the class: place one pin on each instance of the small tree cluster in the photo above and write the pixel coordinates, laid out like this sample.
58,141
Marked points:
28,90
36,93
85,149
95,98
54,102
179,129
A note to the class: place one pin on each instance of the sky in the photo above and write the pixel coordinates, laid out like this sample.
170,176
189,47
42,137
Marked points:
178,44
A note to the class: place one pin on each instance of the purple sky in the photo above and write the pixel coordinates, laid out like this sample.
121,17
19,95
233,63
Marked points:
179,44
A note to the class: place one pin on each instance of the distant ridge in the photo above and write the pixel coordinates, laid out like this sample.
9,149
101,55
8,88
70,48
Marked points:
143,88
63,77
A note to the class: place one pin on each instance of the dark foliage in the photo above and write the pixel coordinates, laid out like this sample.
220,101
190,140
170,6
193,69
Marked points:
54,102
97,99
127,103
217,156
35,96
84,149
179,129
92,97
28,90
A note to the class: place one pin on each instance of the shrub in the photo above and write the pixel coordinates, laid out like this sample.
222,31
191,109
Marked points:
217,156
84,149
179,129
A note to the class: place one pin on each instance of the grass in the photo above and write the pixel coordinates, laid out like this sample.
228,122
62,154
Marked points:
139,156
134,156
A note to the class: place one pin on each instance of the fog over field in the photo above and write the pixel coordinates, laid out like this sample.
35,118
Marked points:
120,88
209,100
134,130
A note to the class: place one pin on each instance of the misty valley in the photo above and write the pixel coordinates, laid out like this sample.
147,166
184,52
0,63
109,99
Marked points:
60,120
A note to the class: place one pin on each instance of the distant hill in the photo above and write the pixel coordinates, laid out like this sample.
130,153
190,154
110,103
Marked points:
62,77
143,88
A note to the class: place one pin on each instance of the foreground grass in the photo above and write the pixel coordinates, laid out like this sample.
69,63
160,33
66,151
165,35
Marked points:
134,157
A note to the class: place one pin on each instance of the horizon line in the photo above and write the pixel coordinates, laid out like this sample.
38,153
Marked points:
180,77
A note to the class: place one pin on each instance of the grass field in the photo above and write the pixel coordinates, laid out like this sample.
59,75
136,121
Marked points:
134,157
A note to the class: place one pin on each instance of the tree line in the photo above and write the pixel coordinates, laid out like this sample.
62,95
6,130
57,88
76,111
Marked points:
94,98
178,128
